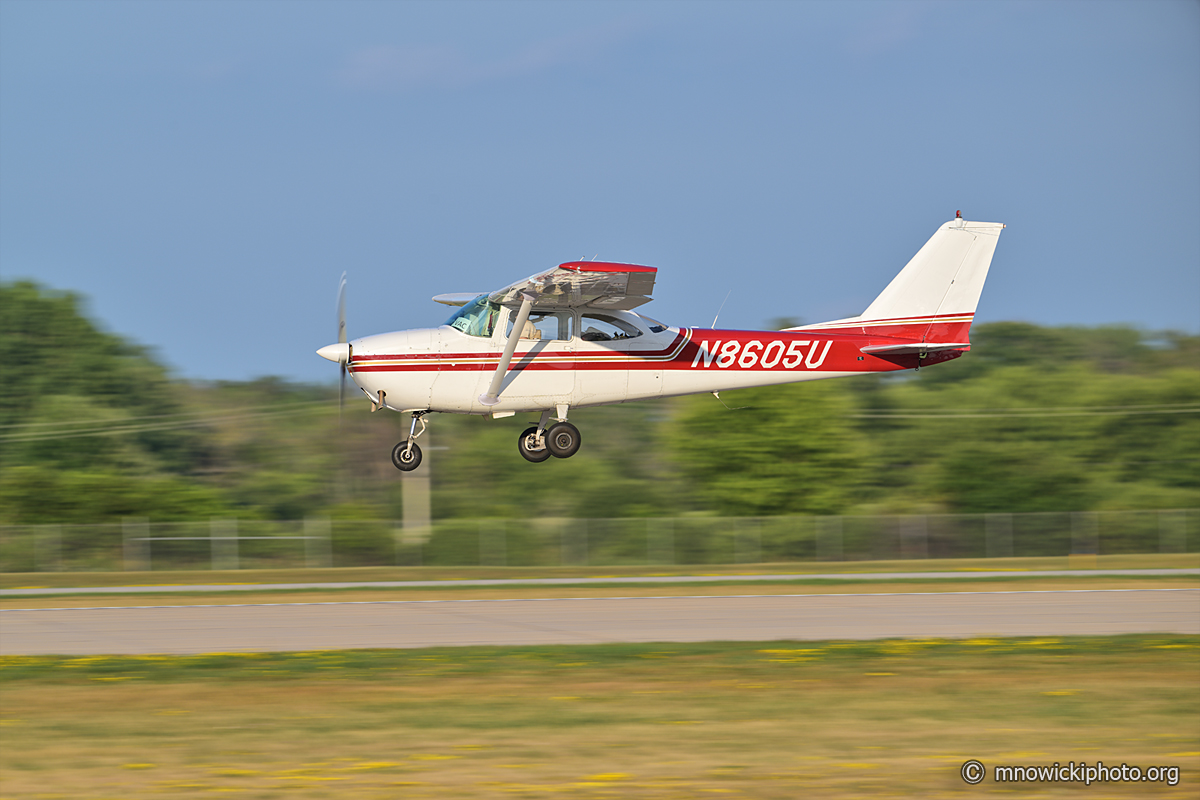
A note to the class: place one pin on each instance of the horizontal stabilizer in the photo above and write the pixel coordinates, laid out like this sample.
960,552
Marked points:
916,347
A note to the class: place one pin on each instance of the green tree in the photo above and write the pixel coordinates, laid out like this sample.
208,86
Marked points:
61,373
39,494
792,450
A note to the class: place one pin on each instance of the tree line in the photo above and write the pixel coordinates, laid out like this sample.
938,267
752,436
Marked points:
93,428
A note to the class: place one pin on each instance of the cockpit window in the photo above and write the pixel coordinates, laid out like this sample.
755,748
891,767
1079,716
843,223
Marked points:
476,318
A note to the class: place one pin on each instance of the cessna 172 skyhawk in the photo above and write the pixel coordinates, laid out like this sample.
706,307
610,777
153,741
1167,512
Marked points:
568,338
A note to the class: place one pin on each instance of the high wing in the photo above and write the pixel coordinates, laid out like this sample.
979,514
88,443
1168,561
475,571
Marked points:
575,284
456,298
579,284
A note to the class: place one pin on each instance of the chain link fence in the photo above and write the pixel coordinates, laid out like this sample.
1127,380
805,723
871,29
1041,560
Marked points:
224,544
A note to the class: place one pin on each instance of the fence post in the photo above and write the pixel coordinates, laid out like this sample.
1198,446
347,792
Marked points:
998,529
829,538
47,548
318,549
493,546
223,534
747,543
914,536
660,540
573,541
408,542
135,534
1172,532
1085,538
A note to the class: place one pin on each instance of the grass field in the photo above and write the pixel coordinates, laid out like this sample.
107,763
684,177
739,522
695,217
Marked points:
774,720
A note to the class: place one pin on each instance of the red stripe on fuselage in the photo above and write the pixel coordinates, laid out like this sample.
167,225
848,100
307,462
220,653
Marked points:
927,328
726,350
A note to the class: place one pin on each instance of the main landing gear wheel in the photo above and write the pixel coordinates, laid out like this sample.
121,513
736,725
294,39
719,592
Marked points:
562,439
529,449
406,457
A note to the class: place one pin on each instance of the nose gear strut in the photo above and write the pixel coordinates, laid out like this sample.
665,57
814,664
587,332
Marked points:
406,455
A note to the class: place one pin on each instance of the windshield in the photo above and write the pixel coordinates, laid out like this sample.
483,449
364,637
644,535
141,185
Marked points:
476,318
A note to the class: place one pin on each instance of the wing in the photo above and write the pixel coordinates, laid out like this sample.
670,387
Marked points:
456,299
578,284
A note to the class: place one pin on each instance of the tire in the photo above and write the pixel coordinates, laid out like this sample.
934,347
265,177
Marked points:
525,446
406,457
563,440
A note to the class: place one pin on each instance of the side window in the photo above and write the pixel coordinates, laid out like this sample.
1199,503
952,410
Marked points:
553,325
603,328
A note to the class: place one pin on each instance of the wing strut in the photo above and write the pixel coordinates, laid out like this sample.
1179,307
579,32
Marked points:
493,393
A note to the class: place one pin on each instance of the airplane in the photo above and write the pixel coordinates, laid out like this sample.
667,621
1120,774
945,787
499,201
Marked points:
569,338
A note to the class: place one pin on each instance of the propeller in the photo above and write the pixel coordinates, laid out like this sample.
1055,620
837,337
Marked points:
341,331
343,351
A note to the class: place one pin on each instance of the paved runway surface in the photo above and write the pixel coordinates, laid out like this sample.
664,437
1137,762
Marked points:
831,576
407,624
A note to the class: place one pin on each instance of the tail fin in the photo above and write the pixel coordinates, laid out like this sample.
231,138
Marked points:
933,299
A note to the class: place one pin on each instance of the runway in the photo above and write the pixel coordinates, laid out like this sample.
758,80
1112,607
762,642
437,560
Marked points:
263,627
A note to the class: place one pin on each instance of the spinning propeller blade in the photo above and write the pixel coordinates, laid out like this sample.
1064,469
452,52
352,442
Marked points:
341,330
341,310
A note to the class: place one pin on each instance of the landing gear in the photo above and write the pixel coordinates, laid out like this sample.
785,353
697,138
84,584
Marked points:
530,448
406,455
560,440
563,440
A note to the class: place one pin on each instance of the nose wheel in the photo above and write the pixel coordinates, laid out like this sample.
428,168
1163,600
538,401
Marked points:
407,456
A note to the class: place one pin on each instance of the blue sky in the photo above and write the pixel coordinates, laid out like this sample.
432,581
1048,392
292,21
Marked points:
204,172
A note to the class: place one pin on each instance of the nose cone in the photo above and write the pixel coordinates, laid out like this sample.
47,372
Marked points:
337,353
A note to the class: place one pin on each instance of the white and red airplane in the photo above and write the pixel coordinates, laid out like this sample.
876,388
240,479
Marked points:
568,338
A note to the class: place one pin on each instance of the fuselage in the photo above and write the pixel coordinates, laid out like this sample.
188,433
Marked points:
587,358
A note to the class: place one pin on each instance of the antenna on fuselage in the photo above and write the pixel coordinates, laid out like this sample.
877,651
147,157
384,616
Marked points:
722,308
722,402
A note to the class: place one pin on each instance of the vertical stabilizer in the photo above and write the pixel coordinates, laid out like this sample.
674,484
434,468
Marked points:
933,299
945,277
